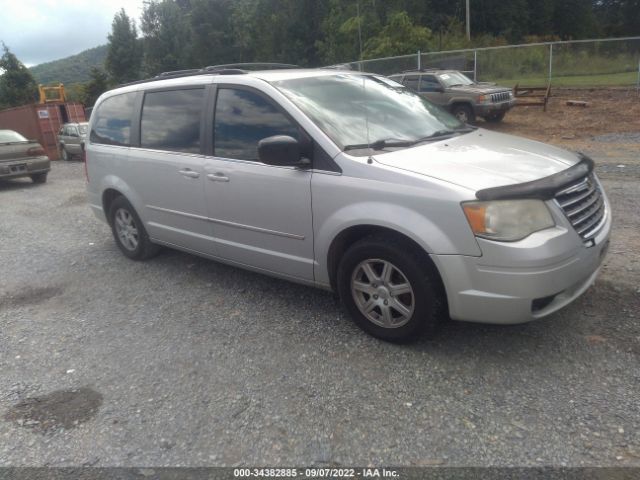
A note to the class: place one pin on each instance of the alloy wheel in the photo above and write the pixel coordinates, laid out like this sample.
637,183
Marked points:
126,229
382,293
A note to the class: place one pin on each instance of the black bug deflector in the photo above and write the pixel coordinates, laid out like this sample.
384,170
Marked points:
544,188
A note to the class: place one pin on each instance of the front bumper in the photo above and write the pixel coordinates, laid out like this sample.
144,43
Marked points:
522,281
485,109
24,167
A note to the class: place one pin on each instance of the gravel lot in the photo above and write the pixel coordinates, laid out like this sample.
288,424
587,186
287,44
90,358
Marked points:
182,361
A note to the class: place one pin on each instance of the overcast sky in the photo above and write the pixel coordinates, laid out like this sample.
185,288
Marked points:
38,31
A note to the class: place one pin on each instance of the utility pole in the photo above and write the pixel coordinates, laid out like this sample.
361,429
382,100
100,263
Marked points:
468,23
360,28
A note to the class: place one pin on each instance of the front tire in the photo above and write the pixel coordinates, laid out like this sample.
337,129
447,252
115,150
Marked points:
64,154
129,232
495,117
464,113
39,178
389,289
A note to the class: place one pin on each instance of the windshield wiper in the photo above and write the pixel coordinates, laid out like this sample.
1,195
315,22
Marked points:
445,133
380,144
392,142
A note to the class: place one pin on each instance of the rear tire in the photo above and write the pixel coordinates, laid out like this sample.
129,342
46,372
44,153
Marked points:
464,113
129,232
495,117
399,306
39,178
64,154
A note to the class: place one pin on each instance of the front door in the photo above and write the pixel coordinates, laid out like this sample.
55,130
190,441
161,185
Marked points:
432,90
260,214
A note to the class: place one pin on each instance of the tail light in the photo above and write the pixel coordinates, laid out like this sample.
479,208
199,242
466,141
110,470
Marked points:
36,151
83,149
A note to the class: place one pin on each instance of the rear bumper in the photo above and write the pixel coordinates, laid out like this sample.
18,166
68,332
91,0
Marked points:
24,167
522,281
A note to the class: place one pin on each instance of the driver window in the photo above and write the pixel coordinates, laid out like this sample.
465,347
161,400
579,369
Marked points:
242,119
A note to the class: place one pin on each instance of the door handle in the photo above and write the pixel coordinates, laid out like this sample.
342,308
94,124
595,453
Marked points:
217,177
187,172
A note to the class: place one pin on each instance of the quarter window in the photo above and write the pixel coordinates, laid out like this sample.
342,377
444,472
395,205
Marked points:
411,81
242,119
112,123
171,120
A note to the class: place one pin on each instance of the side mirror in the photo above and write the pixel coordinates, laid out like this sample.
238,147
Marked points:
281,150
439,89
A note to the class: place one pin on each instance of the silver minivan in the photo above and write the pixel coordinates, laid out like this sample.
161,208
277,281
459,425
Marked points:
351,182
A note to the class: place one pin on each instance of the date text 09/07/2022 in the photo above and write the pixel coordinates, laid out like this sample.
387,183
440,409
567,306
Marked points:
315,473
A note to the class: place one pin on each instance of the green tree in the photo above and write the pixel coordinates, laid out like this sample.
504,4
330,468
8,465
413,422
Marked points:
167,34
399,37
212,41
618,17
124,53
95,87
574,19
17,86
343,30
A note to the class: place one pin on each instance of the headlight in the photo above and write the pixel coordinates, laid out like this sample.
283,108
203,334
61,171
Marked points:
507,220
484,99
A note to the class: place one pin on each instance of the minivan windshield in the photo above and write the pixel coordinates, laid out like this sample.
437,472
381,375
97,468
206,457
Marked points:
368,111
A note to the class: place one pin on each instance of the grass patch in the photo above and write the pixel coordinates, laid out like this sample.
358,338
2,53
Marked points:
608,80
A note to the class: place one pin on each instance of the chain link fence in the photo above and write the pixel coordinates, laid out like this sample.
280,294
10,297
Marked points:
579,63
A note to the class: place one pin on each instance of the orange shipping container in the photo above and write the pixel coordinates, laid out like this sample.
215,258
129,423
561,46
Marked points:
42,122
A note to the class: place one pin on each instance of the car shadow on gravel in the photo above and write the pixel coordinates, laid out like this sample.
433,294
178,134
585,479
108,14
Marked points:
28,295
593,316
16,184
606,316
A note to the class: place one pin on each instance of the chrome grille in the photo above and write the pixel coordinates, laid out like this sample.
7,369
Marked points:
583,204
499,97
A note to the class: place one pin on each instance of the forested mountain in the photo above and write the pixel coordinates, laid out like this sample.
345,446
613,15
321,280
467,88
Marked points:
73,69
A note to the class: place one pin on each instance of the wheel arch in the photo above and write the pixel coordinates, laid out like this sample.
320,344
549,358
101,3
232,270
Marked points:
113,186
108,196
459,101
350,235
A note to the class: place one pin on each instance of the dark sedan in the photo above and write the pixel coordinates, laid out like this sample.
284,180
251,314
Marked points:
20,157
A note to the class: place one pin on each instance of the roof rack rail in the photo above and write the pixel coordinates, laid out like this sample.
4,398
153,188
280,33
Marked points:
175,73
424,69
249,66
228,69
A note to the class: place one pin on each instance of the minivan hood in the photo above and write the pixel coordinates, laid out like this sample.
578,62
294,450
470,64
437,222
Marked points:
482,159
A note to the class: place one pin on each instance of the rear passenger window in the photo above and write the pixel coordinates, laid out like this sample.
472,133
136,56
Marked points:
429,84
244,118
112,122
411,81
171,120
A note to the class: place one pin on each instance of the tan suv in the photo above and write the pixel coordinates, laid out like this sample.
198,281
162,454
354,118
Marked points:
70,137
459,94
